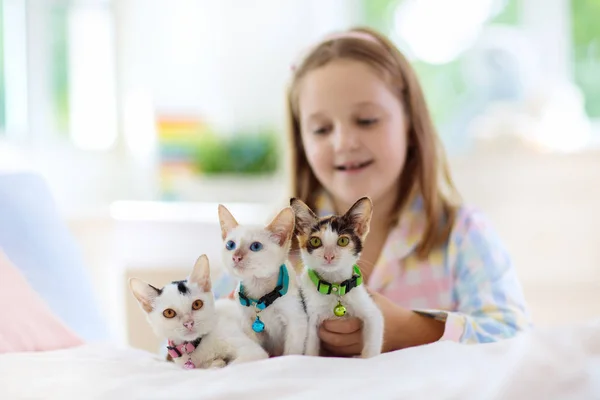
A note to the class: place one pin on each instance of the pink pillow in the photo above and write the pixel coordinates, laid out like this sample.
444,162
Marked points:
26,322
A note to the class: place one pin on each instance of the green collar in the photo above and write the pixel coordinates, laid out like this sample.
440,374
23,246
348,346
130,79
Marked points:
339,289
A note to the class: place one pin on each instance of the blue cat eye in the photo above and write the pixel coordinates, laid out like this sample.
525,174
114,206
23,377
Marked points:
230,245
256,246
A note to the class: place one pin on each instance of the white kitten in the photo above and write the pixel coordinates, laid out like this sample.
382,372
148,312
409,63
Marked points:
202,333
268,290
332,282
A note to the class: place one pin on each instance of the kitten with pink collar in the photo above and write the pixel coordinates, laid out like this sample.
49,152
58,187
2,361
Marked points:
201,332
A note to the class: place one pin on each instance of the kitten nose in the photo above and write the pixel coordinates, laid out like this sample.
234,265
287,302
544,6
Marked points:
329,257
188,324
237,258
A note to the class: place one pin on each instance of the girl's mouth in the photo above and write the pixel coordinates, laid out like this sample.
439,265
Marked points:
353,166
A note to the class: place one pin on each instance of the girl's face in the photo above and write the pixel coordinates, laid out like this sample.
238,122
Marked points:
354,131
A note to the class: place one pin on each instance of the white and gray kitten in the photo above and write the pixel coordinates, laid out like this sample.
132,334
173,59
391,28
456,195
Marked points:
186,312
331,248
255,255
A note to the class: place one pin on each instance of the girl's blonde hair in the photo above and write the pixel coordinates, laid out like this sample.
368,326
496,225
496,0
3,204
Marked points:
425,169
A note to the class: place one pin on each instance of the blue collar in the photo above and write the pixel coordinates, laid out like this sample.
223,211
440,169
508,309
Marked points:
269,298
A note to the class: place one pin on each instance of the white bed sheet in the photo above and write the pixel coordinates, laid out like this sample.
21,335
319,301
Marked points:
543,364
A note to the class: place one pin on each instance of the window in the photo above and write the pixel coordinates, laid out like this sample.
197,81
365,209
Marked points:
438,46
480,59
58,79
2,69
13,75
58,68
586,51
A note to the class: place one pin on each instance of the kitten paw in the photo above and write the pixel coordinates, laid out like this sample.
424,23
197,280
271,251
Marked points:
218,363
313,352
368,353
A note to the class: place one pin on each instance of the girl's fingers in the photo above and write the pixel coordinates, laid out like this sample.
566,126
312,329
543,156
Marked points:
334,339
349,325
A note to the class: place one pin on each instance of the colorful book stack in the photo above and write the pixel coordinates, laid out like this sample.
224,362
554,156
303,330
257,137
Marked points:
178,141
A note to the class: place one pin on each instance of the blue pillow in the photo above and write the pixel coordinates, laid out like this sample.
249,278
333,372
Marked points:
36,239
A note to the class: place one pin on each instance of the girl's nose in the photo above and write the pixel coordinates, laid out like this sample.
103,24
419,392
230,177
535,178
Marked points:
346,140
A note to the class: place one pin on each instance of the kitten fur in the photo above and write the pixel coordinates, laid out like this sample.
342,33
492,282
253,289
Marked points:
218,322
334,263
258,270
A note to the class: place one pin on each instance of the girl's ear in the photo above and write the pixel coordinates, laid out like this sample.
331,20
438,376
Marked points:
360,215
305,217
144,293
282,226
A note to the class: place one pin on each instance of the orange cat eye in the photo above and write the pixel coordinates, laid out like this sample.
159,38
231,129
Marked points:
168,313
196,305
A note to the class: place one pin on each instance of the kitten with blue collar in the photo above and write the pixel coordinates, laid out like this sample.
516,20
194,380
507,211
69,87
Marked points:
268,293
201,332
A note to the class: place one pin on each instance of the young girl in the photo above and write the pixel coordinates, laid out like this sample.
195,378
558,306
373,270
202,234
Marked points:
360,127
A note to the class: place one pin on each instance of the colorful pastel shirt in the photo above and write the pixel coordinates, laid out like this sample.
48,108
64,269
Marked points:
469,283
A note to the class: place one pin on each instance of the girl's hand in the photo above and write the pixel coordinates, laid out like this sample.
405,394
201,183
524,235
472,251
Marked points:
402,328
341,337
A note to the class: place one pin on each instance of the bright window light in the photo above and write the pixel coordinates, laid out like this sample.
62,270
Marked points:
438,31
92,88
15,67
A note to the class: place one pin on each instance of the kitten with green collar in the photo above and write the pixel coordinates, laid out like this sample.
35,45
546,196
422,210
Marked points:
201,332
332,283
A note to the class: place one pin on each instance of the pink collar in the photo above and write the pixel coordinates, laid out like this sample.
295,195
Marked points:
176,351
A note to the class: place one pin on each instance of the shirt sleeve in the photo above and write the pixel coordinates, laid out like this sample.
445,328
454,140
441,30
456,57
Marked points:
489,299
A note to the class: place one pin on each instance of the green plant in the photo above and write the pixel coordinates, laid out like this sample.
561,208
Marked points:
244,153
586,51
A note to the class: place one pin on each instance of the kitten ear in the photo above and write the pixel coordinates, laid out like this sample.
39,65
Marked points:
360,214
305,217
144,293
226,220
282,226
201,274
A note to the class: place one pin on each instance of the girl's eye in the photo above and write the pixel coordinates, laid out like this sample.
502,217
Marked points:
196,305
256,246
343,241
168,313
315,242
367,121
321,131
230,245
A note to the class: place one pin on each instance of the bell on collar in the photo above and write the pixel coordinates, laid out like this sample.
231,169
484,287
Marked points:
258,326
339,310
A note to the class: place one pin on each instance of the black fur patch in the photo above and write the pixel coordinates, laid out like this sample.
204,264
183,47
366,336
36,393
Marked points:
343,225
183,289
159,291
302,299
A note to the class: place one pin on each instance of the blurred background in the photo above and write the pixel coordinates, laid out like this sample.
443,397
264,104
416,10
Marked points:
142,115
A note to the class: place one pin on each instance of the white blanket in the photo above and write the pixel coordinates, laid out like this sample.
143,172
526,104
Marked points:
553,364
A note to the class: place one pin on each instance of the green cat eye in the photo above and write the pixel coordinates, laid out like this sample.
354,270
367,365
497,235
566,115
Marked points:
315,242
343,241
